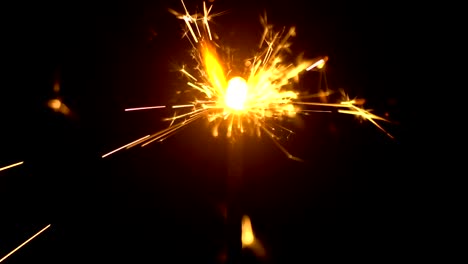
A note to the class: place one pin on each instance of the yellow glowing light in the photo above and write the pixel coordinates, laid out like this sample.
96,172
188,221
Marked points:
55,104
255,103
236,93
213,69
247,236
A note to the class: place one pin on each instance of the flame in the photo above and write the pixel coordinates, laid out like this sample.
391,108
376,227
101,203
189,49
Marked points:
214,71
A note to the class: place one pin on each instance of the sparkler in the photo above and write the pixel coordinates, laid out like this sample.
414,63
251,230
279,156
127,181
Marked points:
252,101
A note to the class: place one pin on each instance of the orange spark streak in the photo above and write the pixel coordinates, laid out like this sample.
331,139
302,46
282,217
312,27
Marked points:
129,144
161,135
11,166
264,98
24,243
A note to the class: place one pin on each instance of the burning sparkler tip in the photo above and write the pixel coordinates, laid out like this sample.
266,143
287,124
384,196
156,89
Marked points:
11,166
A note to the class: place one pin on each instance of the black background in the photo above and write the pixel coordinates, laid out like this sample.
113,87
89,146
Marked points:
352,199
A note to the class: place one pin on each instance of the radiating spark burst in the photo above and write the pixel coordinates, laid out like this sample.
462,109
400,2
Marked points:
254,100
24,243
247,233
11,165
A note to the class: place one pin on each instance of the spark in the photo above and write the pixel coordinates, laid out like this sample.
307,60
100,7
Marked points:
236,93
256,99
182,106
205,19
57,104
11,166
24,243
249,240
188,74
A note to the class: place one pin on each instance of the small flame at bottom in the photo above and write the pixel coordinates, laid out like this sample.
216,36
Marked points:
247,233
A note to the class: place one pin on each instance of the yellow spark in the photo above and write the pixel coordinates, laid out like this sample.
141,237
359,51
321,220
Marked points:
11,166
367,115
205,19
213,69
236,93
129,144
163,134
56,86
58,106
318,64
24,243
249,240
188,74
182,106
